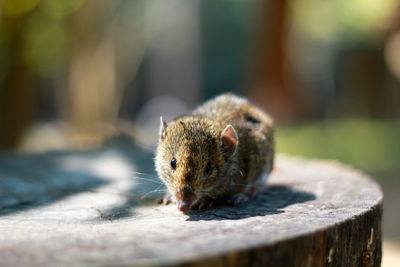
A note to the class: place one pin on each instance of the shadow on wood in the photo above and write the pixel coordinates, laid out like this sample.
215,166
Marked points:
270,201
31,181
34,180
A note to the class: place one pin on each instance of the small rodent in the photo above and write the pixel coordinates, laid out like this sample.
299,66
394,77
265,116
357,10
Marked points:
221,153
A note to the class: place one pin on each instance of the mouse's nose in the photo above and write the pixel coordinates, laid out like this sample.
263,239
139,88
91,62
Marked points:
185,199
183,205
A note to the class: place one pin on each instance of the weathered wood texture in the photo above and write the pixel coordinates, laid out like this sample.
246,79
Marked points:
97,208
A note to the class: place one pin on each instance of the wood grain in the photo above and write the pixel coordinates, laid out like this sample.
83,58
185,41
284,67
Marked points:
97,208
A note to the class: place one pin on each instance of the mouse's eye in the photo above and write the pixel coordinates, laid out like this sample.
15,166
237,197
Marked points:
208,169
173,163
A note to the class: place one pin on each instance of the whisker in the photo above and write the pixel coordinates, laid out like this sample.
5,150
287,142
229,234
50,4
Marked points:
141,173
153,191
147,184
149,180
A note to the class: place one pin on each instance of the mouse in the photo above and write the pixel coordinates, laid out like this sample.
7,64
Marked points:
222,152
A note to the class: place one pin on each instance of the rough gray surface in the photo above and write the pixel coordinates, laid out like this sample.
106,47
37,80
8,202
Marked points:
77,208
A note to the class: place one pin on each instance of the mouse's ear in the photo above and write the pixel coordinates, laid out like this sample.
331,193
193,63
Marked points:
163,128
230,140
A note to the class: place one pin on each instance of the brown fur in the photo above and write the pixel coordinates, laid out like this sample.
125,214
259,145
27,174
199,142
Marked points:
195,140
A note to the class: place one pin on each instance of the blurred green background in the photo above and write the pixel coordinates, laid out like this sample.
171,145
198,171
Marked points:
73,73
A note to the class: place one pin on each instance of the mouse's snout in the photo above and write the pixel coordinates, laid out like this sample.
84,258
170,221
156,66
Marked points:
183,206
185,199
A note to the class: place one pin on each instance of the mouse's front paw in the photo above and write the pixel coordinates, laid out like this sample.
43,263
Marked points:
237,199
202,204
168,198
242,197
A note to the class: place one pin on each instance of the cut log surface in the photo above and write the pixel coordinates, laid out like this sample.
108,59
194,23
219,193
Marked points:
98,208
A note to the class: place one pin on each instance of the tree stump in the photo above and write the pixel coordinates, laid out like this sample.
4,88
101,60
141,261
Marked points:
97,208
